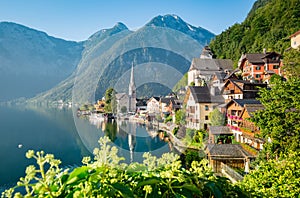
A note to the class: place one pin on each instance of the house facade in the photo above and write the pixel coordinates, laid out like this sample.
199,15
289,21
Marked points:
153,105
256,65
199,103
239,89
248,128
295,40
234,112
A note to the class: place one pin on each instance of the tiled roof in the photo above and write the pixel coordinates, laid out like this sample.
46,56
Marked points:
229,151
252,108
220,75
201,94
243,102
215,130
211,64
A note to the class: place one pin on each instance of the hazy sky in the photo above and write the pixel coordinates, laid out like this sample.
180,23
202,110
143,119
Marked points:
78,19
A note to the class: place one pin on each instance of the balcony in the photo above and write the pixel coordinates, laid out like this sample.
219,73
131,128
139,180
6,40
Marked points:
234,117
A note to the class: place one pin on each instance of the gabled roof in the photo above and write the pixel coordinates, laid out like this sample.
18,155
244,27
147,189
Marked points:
252,108
232,74
166,100
243,102
154,97
295,34
256,58
220,75
201,94
216,130
240,84
227,151
211,64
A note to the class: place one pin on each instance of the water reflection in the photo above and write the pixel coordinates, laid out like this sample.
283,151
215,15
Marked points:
131,138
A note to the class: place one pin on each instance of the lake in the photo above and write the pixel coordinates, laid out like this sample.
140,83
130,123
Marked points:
69,138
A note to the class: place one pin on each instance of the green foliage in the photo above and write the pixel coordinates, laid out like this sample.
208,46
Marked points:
268,25
110,101
168,119
291,62
275,178
190,156
194,137
216,118
280,120
180,117
106,177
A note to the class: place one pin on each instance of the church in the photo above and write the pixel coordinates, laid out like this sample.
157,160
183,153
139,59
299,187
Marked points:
126,103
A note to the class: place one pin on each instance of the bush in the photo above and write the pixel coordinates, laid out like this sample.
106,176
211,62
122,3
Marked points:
107,177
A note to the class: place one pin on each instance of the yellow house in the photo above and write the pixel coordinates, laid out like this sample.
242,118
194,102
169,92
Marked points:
199,102
99,106
295,39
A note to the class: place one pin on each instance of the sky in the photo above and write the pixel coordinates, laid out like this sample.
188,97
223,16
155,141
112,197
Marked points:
77,20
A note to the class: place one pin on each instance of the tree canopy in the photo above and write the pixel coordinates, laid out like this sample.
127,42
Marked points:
268,25
279,122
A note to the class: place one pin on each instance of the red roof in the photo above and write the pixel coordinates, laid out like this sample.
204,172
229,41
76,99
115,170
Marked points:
295,34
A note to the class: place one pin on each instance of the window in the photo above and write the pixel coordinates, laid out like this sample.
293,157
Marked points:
206,108
206,117
275,66
257,75
257,67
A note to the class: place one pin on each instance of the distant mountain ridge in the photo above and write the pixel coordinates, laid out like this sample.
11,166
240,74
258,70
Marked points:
32,61
107,43
43,56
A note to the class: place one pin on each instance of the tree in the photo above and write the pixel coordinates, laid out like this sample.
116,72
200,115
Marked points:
216,118
180,117
291,62
110,100
274,178
279,122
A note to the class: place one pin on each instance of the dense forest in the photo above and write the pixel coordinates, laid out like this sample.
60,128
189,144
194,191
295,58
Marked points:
268,25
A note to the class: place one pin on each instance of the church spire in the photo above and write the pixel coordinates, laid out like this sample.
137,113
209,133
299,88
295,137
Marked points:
132,93
131,83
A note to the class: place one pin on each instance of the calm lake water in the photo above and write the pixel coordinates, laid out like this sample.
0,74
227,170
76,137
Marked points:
56,131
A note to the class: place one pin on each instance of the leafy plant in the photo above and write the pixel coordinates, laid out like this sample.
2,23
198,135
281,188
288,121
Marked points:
105,176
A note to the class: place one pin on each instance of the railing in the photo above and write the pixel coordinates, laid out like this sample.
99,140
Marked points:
230,173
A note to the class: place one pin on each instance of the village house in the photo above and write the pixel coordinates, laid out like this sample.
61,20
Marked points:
99,106
248,128
234,111
223,157
219,135
200,101
173,106
204,67
295,40
153,105
256,65
239,89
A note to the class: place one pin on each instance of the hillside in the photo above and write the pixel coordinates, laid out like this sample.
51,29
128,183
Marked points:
32,61
268,25
163,47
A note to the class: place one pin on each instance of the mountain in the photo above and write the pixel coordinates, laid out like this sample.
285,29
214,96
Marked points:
32,61
268,25
161,52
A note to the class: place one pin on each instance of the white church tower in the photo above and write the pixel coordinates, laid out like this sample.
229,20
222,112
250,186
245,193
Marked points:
132,93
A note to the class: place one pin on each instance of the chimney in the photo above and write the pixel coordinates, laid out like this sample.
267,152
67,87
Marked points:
264,51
